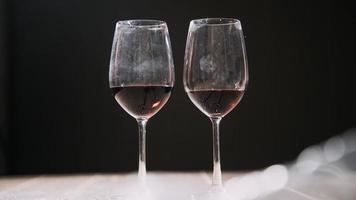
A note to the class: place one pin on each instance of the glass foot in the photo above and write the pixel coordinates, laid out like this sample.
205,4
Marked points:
215,193
122,197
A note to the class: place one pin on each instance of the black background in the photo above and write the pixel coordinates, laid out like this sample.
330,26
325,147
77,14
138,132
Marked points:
58,115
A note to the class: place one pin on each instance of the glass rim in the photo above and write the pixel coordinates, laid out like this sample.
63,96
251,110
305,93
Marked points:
215,21
142,23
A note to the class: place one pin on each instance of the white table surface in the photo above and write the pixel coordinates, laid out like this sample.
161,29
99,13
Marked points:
326,171
169,185
102,186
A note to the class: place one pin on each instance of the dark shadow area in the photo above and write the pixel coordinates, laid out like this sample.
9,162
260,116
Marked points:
57,113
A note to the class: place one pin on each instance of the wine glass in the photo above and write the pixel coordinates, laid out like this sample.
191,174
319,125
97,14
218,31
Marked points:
141,74
215,76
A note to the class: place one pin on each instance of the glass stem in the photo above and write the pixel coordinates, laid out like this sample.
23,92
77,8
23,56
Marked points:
142,150
217,179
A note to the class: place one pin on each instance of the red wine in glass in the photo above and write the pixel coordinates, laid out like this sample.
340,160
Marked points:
142,101
141,77
216,103
215,77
